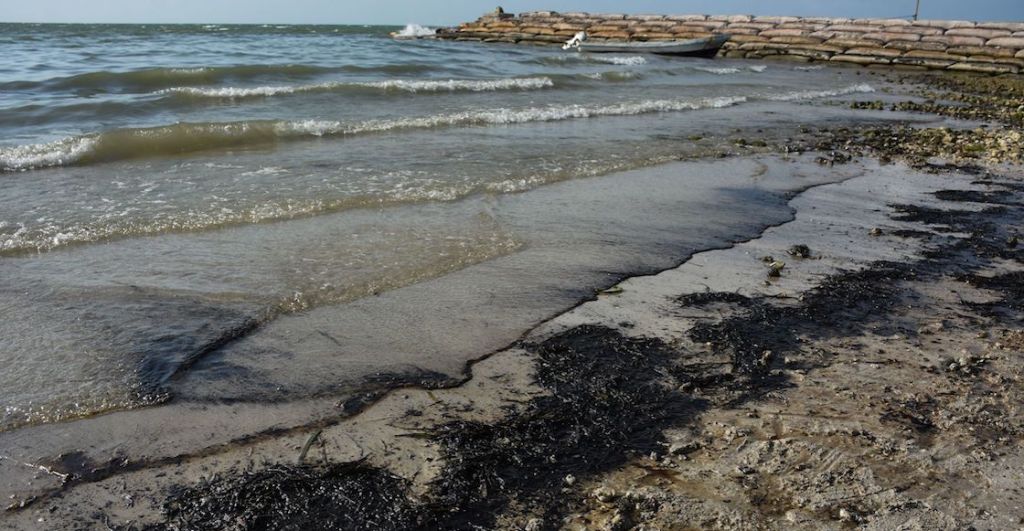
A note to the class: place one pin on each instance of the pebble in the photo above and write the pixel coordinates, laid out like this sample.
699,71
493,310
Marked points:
604,494
679,448
744,470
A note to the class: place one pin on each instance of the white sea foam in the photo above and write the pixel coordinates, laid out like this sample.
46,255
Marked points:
502,116
814,94
425,85
268,170
111,146
415,30
634,60
612,76
718,70
726,70
59,153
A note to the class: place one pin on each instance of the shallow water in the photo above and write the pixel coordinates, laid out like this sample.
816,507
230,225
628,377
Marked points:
222,212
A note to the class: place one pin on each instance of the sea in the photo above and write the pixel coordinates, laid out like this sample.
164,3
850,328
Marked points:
264,214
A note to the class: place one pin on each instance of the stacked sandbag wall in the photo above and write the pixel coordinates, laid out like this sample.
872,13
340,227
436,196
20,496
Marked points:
990,47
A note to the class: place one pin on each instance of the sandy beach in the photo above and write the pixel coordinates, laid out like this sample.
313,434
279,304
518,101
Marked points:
855,362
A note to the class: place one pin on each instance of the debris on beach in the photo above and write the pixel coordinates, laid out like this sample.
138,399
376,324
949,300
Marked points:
629,425
775,269
299,498
800,251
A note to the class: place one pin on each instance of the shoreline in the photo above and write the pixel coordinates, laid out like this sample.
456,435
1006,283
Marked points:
396,432
702,154
506,379
102,461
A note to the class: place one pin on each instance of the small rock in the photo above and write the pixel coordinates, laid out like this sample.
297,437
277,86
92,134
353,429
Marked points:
848,516
775,269
680,448
604,494
619,521
570,480
876,232
800,251
932,328
744,470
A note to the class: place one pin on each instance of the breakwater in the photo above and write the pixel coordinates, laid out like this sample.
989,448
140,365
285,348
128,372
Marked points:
989,47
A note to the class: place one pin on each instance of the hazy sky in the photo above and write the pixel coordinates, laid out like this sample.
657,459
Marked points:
436,12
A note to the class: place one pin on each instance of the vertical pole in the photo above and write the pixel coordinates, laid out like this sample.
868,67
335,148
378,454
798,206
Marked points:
917,10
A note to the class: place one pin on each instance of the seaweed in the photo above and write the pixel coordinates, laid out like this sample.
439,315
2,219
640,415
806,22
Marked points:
915,415
912,233
843,304
610,398
347,496
995,197
954,220
1009,286
710,297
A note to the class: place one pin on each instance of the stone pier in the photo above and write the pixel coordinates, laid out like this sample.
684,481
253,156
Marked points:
989,47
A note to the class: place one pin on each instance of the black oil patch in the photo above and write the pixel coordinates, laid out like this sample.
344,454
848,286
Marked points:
610,399
295,499
711,297
843,305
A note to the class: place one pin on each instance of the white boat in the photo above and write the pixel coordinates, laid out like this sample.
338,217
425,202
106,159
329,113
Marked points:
704,47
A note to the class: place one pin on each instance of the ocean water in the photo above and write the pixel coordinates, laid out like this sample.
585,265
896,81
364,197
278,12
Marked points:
188,209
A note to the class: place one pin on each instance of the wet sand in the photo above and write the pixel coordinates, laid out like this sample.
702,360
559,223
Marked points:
874,381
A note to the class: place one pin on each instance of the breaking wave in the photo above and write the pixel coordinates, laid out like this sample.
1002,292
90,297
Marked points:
395,85
726,70
184,138
151,79
634,60
862,88
178,139
415,30
618,60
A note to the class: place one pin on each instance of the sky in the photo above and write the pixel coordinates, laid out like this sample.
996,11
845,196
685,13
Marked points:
450,12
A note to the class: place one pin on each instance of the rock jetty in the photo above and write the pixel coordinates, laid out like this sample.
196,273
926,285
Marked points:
988,47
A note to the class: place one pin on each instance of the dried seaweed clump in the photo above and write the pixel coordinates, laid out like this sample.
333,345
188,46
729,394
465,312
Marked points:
295,498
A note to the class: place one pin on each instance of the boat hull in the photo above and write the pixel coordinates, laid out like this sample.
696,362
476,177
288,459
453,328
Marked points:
706,48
